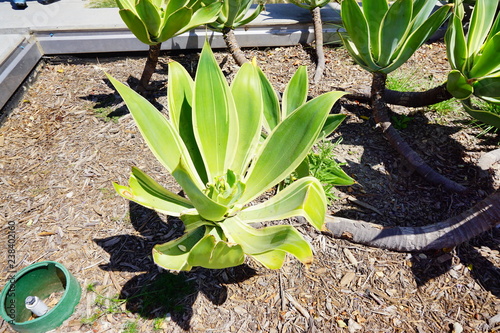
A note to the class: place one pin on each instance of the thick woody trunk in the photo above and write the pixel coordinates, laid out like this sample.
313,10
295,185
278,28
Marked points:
233,46
318,35
149,68
412,99
392,135
447,234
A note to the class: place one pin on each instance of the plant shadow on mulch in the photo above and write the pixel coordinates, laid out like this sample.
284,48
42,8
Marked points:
156,292
486,274
115,102
428,265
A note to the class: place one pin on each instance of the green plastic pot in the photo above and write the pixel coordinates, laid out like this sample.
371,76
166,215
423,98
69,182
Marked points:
40,279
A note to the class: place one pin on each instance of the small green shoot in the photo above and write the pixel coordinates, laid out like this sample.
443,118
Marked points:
490,107
326,169
105,114
401,121
130,327
104,305
158,324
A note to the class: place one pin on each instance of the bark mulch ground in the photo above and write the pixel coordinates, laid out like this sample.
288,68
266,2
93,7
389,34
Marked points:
68,138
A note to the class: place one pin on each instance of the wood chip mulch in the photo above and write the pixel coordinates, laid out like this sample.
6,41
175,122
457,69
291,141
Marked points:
68,137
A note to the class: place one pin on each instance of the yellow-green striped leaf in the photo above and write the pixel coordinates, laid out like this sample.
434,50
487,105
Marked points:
287,146
304,197
295,93
214,115
257,241
481,21
246,88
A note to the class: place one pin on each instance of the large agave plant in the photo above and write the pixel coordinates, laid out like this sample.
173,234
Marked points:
475,59
380,38
212,145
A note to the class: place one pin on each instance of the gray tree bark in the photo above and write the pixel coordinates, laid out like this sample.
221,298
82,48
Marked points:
446,234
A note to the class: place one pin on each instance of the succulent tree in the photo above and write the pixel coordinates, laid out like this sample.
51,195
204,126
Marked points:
212,146
380,38
233,14
314,7
475,62
474,58
155,21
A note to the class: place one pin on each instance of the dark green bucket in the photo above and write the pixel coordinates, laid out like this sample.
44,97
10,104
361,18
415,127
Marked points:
40,279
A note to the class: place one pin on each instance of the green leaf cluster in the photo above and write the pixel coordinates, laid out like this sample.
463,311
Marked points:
212,145
155,21
474,58
310,4
235,13
381,37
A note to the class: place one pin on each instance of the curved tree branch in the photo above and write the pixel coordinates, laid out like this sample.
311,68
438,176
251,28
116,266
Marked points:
233,46
392,135
446,234
412,99
318,36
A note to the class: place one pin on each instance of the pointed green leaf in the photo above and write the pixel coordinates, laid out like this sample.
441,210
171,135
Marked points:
353,51
157,131
136,26
394,26
246,88
417,38
192,220
257,241
299,131
357,27
174,254
304,197
456,45
249,18
484,116
488,61
421,11
495,28
173,6
203,15
488,88
458,86
374,11
271,105
174,24
147,192
332,122
232,9
180,96
213,254
206,207
481,21
295,94
214,115
271,259
179,91
150,15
